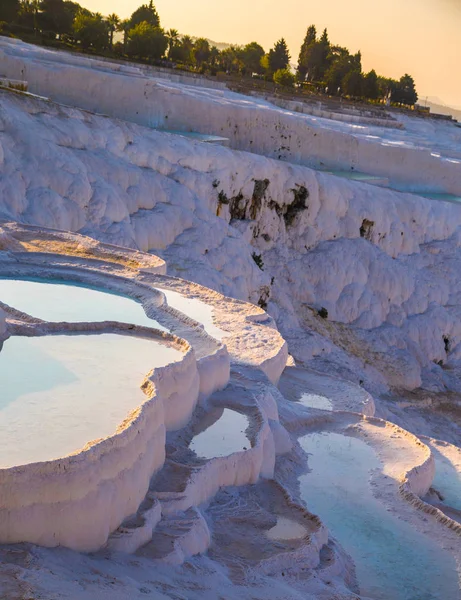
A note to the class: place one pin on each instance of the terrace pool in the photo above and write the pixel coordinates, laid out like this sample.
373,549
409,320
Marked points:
61,391
68,301
393,560
224,437
195,309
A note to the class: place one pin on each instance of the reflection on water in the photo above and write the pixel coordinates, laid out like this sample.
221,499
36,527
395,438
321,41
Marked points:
393,560
195,309
224,437
60,392
70,302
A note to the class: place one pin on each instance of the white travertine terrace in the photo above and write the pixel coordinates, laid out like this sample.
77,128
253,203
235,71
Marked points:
77,501
368,255
250,124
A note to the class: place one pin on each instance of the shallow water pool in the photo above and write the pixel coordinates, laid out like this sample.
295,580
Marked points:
442,196
71,302
60,392
224,437
393,560
195,309
358,176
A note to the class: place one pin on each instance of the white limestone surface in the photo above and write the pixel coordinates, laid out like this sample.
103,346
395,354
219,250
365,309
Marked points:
373,258
250,124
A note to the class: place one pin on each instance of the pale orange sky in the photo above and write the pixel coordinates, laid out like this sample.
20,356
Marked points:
420,37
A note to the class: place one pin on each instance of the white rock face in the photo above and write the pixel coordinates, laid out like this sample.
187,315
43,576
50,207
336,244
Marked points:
417,159
375,259
97,490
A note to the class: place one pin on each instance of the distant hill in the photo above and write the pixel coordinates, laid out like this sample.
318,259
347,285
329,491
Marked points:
219,45
437,106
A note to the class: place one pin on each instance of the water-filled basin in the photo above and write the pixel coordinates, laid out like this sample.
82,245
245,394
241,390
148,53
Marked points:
224,437
61,391
393,559
195,309
68,301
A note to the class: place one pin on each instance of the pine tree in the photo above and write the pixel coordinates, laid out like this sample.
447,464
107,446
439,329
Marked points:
279,57
147,13
304,53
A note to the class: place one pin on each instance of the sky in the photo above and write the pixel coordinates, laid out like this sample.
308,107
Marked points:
419,37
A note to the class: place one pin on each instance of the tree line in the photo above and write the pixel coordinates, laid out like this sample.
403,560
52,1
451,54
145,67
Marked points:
322,66
340,72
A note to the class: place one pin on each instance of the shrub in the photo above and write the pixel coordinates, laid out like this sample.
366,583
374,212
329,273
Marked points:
284,78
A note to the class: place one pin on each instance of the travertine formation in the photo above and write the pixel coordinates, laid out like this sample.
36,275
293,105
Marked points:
77,501
358,282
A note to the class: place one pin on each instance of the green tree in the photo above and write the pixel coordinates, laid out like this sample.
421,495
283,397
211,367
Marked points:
284,78
56,16
201,52
125,28
251,56
181,51
405,92
113,22
317,58
27,16
304,53
337,72
213,59
279,57
91,31
370,85
146,41
352,84
230,59
386,86
145,13
9,10
173,38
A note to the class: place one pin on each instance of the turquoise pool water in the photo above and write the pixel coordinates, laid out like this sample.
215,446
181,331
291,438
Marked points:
441,196
224,437
393,560
60,392
358,176
67,301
